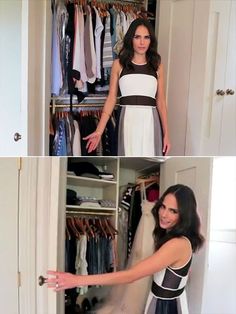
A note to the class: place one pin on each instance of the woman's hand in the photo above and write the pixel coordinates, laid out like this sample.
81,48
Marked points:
61,281
93,141
166,145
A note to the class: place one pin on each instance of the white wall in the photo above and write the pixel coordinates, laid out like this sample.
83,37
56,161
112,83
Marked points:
220,288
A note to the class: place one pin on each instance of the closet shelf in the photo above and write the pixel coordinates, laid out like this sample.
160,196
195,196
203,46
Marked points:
89,182
89,208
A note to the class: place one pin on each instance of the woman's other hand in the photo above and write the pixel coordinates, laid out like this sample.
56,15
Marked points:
166,145
93,141
61,281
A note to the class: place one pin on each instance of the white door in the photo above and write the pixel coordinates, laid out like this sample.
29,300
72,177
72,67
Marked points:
25,58
196,173
11,109
220,111
9,183
228,131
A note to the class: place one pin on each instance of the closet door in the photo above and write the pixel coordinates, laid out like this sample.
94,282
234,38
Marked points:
11,107
196,173
9,184
219,123
227,144
25,60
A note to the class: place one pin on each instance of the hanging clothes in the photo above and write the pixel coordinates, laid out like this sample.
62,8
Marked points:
69,129
121,298
85,41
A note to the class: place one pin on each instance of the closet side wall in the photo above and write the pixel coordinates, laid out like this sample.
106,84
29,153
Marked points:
175,47
196,173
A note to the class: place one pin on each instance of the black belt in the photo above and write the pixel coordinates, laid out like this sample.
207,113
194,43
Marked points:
138,101
160,292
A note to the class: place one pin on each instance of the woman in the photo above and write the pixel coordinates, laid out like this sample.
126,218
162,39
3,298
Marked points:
138,71
176,235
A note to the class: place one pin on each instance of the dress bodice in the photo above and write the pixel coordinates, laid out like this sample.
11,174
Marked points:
138,86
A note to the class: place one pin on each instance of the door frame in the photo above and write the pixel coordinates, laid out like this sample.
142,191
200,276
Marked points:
35,75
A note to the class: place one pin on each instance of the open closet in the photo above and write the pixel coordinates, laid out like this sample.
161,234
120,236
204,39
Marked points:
103,205
81,216
86,38
33,207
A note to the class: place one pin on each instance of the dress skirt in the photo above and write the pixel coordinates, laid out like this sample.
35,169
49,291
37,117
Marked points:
159,306
140,132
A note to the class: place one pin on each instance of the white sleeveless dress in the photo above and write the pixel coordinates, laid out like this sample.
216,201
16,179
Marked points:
140,132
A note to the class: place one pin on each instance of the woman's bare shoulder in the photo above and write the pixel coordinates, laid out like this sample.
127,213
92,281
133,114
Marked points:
116,64
178,242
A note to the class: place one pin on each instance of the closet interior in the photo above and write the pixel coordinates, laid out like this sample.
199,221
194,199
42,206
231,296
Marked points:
103,210
86,38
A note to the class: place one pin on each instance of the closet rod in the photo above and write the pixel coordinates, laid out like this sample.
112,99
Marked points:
89,213
75,105
136,2
121,1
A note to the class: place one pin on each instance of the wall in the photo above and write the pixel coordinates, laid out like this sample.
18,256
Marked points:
220,288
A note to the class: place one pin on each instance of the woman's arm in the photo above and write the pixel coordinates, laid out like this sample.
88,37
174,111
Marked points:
162,109
175,250
95,137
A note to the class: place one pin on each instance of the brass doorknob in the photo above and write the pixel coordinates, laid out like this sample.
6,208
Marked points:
41,280
229,91
17,137
220,92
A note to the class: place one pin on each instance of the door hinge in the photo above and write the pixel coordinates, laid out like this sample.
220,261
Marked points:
19,162
19,279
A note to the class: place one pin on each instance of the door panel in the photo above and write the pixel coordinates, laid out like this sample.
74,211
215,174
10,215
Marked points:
228,133
10,79
9,301
215,79
195,172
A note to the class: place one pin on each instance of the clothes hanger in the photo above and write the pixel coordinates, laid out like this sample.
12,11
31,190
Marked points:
72,226
80,225
68,236
111,226
86,222
101,227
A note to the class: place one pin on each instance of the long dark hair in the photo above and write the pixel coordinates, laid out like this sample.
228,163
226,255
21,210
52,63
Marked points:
127,52
189,221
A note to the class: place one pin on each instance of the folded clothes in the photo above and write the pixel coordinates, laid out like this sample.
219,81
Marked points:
107,203
87,169
89,204
106,176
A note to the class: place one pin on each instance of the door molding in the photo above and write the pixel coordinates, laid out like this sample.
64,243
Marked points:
27,234
35,75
